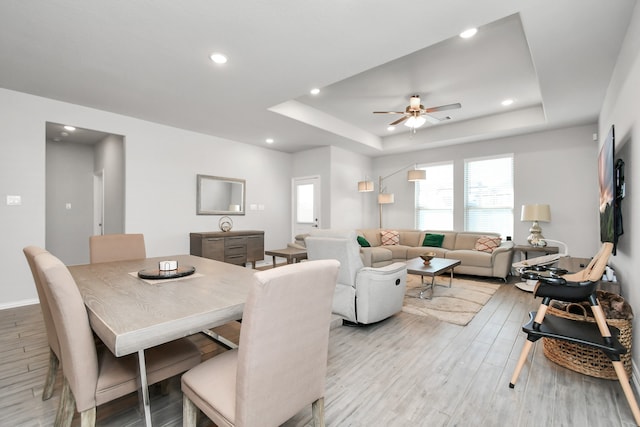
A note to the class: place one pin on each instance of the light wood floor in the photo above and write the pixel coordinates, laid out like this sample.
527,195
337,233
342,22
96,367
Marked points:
405,371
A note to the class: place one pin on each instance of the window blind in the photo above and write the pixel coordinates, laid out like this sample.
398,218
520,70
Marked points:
488,194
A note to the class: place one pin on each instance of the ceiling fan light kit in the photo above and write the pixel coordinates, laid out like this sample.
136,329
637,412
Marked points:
416,115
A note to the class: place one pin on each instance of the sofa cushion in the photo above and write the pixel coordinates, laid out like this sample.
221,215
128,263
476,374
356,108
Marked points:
487,244
470,257
398,252
434,240
467,239
390,237
363,242
410,237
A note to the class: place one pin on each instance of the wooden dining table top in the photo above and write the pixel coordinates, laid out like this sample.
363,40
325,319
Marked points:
130,314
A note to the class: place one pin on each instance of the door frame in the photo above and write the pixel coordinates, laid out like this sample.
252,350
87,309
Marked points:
317,201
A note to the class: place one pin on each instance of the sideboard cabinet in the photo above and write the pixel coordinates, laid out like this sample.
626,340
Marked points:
234,247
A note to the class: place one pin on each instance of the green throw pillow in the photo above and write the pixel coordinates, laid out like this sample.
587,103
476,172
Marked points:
363,242
434,240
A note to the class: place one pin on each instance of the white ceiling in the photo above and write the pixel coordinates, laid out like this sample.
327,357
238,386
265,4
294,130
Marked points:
150,60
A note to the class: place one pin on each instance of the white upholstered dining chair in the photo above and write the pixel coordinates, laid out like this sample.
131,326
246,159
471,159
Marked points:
93,375
30,252
280,365
116,247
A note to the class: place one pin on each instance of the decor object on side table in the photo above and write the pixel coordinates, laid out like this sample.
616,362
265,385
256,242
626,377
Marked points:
536,213
225,223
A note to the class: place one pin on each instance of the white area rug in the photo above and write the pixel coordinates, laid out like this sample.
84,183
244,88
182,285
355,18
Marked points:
458,304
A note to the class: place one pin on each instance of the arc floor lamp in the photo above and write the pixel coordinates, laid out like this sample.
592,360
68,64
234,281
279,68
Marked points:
384,198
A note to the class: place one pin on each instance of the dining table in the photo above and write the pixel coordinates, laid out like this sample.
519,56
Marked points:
131,314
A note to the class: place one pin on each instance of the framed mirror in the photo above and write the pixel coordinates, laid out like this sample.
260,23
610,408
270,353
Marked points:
217,195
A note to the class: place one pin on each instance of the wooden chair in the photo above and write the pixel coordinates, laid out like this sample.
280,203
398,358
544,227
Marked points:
116,247
30,252
577,287
93,376
281,363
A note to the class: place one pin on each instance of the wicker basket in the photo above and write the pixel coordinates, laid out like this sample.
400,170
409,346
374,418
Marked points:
584,359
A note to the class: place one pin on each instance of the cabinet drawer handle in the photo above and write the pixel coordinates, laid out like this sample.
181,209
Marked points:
234,256
213,240
235,247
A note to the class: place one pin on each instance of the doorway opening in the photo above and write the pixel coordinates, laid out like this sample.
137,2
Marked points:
85,185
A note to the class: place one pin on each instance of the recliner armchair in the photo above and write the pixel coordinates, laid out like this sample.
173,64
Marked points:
363,294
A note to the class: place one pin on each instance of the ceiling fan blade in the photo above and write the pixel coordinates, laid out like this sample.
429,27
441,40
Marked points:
431,119
443,107
388,112
400,120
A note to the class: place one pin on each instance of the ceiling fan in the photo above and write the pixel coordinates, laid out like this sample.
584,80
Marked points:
416,115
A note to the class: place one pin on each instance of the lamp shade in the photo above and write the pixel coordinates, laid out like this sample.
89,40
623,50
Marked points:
536,213
385,198
365,186
417,175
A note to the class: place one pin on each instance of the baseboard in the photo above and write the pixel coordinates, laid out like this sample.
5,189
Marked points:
21,303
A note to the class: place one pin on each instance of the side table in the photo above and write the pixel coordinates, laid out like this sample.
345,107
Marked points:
544,250
292,255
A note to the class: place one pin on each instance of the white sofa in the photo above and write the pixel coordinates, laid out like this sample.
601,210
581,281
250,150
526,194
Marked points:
456,245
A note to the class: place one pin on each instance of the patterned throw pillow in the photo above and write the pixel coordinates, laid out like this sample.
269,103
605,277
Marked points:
364,243
390,237
487,244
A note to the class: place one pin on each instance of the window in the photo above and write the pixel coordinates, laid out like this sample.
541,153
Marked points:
434,198
304,211
488,195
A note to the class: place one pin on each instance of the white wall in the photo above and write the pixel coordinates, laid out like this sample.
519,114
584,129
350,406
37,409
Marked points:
622,109
348,206
556,167
161,167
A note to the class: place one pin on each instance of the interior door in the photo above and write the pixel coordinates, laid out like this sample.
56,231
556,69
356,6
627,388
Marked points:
98,203
306,204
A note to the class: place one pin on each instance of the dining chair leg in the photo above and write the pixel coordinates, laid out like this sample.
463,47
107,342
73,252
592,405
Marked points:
189,413
317,409
88,418
50,381
66,407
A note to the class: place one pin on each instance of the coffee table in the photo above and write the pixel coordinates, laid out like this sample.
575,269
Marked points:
435,267
290,254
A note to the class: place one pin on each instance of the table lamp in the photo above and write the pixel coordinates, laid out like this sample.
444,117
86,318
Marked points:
536,213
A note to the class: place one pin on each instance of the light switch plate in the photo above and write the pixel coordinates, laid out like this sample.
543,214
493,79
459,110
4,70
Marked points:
14,200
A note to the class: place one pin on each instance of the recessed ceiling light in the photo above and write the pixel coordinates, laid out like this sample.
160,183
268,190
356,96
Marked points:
56,139
507,102
468,33
64,134
218,58
70,128
269,140
391,128
314,91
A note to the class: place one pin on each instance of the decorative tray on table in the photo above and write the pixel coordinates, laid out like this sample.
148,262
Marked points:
156,273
